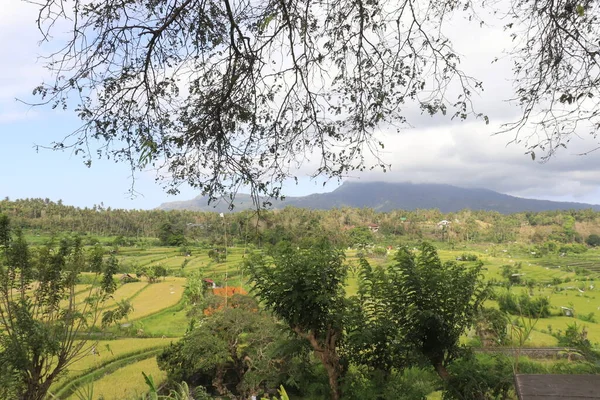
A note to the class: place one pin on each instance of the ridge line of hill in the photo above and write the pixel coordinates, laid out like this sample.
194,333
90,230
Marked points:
383,196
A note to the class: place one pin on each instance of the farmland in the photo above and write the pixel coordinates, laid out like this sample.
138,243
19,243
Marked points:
159,317
523,256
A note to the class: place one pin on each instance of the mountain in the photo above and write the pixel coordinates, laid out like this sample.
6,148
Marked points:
382,196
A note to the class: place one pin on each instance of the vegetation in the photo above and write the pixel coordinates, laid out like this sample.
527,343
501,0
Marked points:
232,352
390,313
305,288
40,318
524,305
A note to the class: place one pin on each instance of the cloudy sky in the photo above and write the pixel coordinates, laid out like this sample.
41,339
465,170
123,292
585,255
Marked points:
434,150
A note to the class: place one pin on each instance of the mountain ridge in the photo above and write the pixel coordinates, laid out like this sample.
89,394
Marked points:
384,196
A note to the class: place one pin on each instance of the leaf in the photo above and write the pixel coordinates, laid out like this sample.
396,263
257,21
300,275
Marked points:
149,382
532,155
580,10
267,21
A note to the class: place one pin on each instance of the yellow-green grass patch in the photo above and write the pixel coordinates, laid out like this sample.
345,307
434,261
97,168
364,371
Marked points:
107,350
156,297
169,324
124,292
127,382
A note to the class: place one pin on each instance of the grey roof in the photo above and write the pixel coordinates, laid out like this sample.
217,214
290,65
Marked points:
557,387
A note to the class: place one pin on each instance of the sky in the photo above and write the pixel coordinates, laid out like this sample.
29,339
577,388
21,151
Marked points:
433,150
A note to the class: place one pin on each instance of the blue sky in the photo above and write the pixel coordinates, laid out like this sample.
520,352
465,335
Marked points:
27,173
433,150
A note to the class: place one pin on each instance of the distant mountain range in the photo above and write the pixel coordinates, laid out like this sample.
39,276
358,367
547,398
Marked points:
383,196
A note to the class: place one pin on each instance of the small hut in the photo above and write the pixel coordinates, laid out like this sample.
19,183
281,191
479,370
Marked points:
209,283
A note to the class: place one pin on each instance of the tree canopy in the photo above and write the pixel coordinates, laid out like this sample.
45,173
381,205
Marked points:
42,326
219,94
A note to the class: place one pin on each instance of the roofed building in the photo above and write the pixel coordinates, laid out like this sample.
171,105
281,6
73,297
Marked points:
557,387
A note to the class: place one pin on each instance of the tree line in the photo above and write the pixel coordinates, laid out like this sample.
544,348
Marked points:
343,225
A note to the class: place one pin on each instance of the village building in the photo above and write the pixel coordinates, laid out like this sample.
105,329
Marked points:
373,228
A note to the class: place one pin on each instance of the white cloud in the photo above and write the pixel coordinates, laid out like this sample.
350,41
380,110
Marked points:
468,155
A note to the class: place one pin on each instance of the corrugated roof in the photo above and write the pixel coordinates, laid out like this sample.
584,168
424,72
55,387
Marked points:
557,387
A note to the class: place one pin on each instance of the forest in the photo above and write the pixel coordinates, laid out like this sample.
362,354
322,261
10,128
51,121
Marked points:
343,226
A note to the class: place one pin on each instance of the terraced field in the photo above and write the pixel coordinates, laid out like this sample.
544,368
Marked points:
114,368
106,357
125,383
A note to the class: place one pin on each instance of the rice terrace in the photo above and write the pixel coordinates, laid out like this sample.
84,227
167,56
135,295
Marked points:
199,302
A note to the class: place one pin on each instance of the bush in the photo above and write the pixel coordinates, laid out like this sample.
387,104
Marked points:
218,254
479,377
467,257
410,383
379,252
556,281
593,240
491,325
524,305
574,248
588,317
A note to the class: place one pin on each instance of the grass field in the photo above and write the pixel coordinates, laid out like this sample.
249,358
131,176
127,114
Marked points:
156,297
106,350
126,383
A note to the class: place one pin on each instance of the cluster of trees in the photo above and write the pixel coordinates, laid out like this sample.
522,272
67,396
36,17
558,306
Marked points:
524,305
409,314
42,325
344,226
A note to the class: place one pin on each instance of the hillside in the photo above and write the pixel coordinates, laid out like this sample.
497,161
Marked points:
382,196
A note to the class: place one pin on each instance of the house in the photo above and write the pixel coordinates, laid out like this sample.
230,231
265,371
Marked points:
210,283
566,311
557,387
126,278
373,227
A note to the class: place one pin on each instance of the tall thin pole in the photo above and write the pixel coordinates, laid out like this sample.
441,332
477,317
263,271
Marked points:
226,266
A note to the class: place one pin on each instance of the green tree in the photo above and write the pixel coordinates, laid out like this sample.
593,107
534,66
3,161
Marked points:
569,228
360,237
95,258
170,235
593,240
421,306
41,323
110,269
443,300
375,328
305,288
231,351
152,273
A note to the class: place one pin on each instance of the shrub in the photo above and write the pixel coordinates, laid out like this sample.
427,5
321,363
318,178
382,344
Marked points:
379,252
556,281
593,240
217,255
467,257
491,325
410,383
588,317
524,305
574,248
479,377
